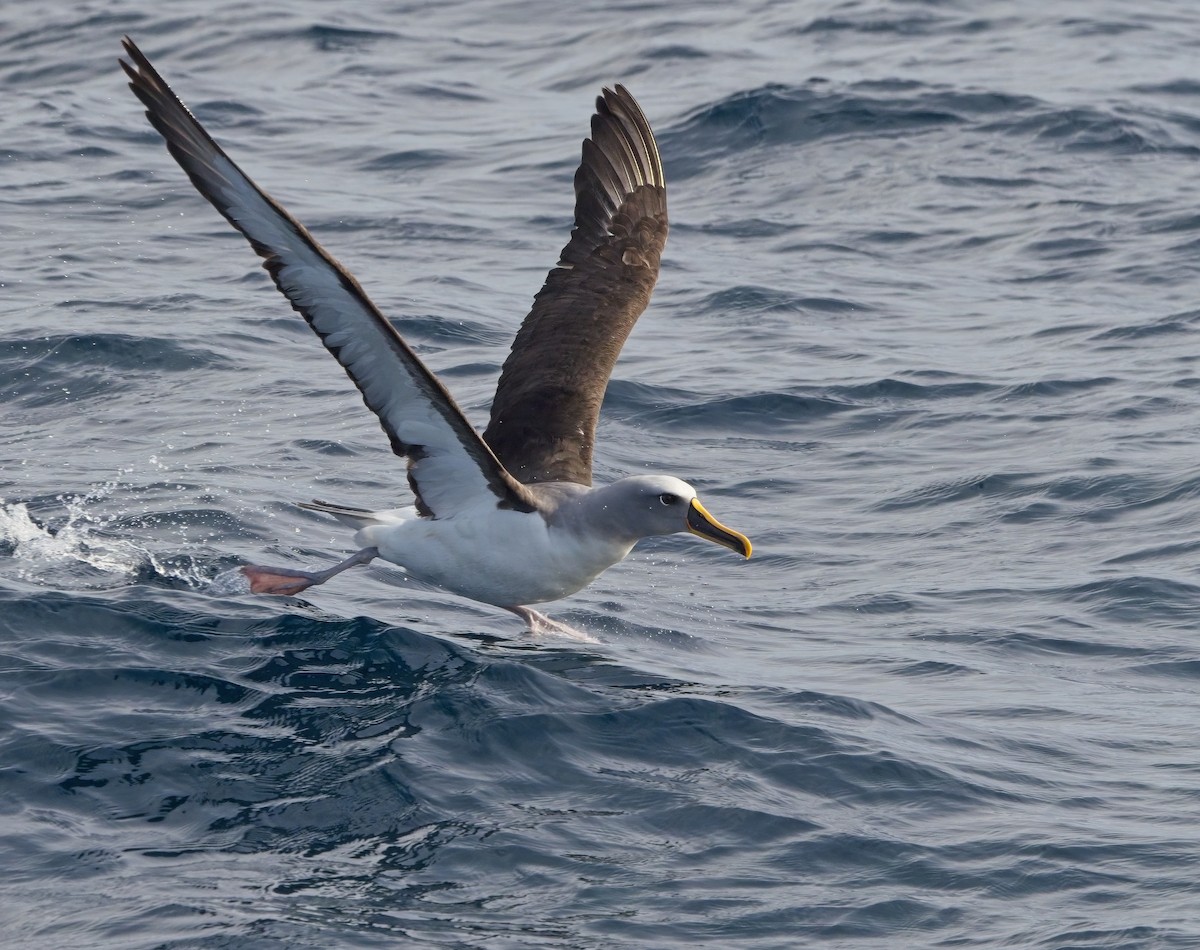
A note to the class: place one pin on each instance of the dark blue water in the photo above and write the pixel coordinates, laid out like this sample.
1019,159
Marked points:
928,331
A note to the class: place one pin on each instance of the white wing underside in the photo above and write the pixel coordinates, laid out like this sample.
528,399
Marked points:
451,469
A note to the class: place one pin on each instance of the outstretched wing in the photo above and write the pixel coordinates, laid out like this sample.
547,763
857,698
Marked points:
450,468
547,403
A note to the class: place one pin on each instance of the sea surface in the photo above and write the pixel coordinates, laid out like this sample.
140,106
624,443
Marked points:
928,331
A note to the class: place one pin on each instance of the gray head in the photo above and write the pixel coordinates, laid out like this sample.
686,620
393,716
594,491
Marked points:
642,506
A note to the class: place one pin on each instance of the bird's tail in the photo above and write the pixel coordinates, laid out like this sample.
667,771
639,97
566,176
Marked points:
353,517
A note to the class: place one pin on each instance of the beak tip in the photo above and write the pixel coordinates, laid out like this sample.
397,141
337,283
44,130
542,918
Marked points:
700,522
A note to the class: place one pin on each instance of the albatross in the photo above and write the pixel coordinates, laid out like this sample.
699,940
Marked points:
509,517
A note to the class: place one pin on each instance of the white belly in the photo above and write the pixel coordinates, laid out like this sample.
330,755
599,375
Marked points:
498,557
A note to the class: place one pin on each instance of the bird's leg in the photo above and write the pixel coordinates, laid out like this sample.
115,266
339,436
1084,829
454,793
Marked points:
289,581
540,625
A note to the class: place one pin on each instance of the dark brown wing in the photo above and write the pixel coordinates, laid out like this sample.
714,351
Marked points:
449,466
548,400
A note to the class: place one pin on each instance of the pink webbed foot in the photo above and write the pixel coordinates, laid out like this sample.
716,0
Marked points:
287,581
542,626
277,580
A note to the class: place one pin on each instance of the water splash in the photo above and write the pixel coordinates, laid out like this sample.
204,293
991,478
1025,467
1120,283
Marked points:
79,553
229,583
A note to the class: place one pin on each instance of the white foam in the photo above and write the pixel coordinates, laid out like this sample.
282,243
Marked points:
54,556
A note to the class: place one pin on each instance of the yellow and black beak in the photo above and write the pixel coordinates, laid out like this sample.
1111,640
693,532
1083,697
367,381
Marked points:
700,522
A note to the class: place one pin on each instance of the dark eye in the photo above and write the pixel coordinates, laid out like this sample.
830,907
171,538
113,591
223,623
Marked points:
668,499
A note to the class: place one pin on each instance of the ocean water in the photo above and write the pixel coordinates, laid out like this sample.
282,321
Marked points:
928,331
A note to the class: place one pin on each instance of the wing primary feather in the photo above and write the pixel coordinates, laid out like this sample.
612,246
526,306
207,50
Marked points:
643,141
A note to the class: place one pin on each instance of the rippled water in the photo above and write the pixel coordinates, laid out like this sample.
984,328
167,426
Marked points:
927,331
